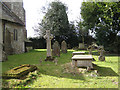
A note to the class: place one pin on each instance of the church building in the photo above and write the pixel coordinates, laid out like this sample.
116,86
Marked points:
12,29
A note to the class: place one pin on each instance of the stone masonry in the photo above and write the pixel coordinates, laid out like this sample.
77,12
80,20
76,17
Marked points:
13,28
1,43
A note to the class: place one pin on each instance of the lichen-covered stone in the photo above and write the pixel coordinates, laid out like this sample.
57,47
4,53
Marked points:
64,47
102,53
19,71
56,49
48,38
13,27
4,56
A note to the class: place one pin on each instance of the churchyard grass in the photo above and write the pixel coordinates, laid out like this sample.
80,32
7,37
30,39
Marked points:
54,76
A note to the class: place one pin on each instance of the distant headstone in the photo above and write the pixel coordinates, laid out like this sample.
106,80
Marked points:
56,61
64,47
102,53
69,46
4,56
90,50
56,49
81,46
48,38
92,47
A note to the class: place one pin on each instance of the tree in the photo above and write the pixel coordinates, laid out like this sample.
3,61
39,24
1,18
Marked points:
104,19
83,30
56,20
73,39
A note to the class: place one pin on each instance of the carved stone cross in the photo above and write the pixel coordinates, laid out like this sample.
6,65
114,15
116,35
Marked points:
48,38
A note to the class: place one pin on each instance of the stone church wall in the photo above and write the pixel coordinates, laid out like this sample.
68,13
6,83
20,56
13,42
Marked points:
10,24
14,46
17,8
1,41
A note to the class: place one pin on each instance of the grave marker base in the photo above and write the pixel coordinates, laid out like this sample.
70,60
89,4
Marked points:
49,58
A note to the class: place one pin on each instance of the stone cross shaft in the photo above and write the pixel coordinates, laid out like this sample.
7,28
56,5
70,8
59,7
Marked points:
48,38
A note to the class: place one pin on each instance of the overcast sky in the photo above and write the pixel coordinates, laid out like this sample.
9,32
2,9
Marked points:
34,12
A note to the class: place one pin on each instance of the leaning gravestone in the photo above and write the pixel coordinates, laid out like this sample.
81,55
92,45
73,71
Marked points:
56,49
64,47
48,38
102,53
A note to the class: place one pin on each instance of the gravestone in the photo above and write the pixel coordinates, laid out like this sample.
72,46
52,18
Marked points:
64,47
4,56
102,53
55,61
56,49
48,38
92,47
81,46
90,50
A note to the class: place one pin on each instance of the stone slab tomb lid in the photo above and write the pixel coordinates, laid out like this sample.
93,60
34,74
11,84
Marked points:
82,57
79,52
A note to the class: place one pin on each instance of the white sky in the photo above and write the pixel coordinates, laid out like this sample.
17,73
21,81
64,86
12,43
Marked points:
34,12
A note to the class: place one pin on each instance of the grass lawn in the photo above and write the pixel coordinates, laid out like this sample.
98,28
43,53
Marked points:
52,76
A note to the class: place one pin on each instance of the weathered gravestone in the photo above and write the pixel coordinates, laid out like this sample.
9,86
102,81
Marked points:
56,49
81,46
48,38
4,56
64,47
102,53
92,47
90,50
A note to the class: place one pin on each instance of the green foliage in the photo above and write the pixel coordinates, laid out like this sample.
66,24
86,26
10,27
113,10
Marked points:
103,18
38,43
55,19
83,31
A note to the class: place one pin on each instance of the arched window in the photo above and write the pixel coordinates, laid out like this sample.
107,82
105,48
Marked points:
15,35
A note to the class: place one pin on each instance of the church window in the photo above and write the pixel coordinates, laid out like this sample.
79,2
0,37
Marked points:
15,35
